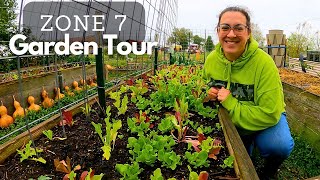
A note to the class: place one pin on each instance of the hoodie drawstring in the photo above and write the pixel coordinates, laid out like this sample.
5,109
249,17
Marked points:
227,74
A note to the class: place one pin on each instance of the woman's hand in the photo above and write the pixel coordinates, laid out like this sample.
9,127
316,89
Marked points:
223,94
213,94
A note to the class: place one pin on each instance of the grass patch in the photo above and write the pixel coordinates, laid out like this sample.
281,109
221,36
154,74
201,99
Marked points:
304,162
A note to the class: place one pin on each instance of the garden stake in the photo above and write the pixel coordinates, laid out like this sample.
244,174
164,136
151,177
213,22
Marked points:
155,60
56,84
100,80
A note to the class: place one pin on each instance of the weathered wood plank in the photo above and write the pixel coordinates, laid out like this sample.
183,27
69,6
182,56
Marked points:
294,64
303,113
314,178
243,160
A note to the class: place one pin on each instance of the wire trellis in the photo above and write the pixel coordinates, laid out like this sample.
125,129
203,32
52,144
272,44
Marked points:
156,20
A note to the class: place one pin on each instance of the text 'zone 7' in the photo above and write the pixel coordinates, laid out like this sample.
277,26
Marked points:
69,28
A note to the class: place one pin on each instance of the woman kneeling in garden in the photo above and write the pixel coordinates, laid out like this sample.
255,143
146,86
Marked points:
250,89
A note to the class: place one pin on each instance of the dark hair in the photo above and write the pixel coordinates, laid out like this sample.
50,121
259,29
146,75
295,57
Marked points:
237,9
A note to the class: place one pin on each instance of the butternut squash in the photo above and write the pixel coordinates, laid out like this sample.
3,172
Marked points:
47,102
33,106
19,112
5,119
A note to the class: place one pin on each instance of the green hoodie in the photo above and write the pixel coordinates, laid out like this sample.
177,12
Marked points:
257,98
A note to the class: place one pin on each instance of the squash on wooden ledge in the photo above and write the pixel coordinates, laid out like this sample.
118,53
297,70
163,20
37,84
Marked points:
91,83
47,102
5,119
75,85
94,78
19,112
33,106
68,91
59,95
82,81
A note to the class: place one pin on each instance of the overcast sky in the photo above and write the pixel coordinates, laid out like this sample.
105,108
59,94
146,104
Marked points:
268,14
201,15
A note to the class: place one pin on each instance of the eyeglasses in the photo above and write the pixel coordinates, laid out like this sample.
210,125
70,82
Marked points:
237,29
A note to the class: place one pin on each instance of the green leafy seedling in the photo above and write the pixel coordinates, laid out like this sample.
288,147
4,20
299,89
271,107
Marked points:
228,162
121,105
120,136
48,133
72,175
28,153
204,175
123,108
111,133
218,126
157,175
129,171
42,177
89,175
166,124
86,109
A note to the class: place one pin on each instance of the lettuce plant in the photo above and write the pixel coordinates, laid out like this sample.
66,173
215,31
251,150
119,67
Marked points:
157,175
169,159
142,103
89,175
140,123
228,162
121,105
48,134
205,148
147,149
139,89
197,159
142,150
64,166
111,133
123,108
129,172
166,124
204,175
29,153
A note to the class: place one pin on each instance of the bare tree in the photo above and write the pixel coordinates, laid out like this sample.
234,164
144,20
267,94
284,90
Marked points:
301,40
257,34
317,40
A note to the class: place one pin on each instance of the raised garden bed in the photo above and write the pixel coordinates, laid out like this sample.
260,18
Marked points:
83,145
302,98
304,81
33,85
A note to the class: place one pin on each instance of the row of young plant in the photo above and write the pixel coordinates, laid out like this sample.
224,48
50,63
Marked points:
182,89
179,58
152,140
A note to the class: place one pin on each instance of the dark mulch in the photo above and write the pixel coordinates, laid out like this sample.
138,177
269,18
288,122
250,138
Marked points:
83,147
